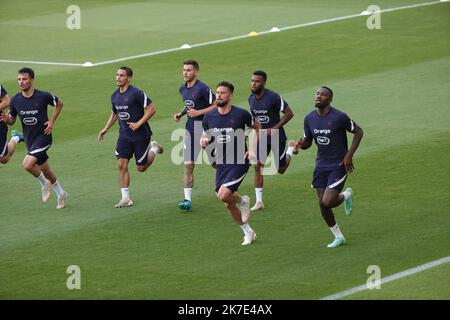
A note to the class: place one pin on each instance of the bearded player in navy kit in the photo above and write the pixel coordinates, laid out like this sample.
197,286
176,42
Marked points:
327,126
133,108
7,148
224,135
31,106
198,99
266,105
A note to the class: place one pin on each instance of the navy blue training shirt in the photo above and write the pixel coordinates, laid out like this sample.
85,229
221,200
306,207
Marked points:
267,109
129,107
32,113
197,97
330,135
227,133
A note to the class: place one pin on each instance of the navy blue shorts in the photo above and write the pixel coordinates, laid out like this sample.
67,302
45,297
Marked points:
230,176
3,140
38,148
127,147
333,178
278,148
191,148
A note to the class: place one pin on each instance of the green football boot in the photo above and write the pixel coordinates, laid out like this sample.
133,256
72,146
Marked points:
185,205
348,204
336,242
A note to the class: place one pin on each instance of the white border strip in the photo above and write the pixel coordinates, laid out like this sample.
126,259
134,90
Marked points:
396,276
154,53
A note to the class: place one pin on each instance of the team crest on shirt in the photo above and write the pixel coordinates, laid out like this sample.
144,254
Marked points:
189,104
225,138
263,119
323,140
30,121
124,116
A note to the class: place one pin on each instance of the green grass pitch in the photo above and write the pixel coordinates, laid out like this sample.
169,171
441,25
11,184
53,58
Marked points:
394,82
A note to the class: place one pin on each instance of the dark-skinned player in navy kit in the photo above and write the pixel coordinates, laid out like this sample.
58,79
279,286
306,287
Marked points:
266,106
328,127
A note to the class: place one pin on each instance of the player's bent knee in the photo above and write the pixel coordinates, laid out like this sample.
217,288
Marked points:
327,202
282,170
141,168
122,166
27,166
223,196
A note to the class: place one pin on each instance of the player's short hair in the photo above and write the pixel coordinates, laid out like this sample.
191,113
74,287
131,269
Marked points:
260,73
127,70
192,63
28,71
329,90
226,84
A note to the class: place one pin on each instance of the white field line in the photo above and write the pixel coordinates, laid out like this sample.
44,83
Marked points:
43,62
202,44
393,277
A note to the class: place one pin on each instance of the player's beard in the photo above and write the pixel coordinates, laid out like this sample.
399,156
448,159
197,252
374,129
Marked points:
257,91
321,105
221,103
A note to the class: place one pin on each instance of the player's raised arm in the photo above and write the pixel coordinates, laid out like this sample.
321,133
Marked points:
49,124
177,116
4,102
305,141
348,158
288,114
112,119
8,119
254,128
196,113
150,110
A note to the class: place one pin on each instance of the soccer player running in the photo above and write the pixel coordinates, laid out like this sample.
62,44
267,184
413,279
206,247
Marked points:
334,162
224,135
198,99
266,105
133,108
7,148
31,106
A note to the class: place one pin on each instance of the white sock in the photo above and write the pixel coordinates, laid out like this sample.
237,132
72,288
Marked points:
259,193
346,194
246,228
58,189
290,151
336,231
42,180
154,149
125,193
16,139
187,194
